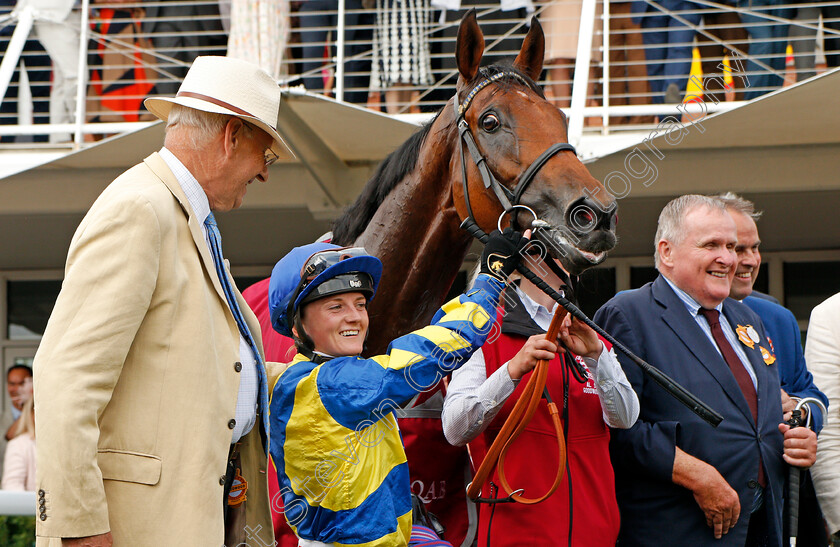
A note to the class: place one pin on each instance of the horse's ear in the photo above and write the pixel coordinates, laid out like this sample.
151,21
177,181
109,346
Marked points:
531,56
469,47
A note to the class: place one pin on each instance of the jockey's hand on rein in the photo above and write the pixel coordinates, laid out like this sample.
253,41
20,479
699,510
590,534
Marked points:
502,253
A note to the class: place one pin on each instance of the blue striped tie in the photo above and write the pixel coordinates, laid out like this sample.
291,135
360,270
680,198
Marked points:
216,249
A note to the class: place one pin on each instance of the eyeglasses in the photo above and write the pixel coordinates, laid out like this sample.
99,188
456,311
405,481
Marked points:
268,155
322,260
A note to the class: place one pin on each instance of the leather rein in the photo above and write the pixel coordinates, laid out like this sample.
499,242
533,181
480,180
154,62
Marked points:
527,403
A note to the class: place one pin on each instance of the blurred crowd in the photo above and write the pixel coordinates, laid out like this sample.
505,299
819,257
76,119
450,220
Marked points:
395,51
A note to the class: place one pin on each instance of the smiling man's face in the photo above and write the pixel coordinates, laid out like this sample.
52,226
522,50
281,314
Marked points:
749,258
703,262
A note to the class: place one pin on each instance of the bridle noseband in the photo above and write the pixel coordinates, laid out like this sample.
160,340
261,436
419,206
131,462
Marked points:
507,198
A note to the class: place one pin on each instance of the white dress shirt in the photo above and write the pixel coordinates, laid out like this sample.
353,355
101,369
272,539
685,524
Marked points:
246,401
473,399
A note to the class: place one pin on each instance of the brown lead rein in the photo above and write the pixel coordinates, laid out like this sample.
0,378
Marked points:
516,423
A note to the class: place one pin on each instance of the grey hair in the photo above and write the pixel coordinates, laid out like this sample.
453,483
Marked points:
737,203
670,225
204,126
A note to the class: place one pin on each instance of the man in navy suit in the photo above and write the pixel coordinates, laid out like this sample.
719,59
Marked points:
786,344
779,322
678,479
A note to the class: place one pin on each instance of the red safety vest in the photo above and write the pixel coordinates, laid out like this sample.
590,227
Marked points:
532,463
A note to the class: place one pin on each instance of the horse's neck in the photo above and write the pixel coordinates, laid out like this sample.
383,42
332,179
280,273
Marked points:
416,234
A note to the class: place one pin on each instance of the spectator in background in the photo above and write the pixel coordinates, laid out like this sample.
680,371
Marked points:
628,76
822,353
768,44
19,389
317,17
401,55
785,345
181,31
36,63
561,21
259,33
57,27
19,460
669,43
803,40
727,27
121,66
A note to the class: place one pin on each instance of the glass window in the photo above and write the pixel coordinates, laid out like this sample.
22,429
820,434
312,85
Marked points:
808,284
30,304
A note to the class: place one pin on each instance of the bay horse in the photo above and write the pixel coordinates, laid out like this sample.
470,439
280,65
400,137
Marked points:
410,212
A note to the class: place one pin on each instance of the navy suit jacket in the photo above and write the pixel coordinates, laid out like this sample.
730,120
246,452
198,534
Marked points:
783,330
655,324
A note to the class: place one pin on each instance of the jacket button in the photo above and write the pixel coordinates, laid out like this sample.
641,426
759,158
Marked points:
43,516
237,366
41,492
752,483
222,480
232,424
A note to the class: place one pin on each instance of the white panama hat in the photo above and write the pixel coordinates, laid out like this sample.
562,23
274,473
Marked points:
228,86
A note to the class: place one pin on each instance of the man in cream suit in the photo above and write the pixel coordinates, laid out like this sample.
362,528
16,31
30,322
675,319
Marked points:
150,387
822,353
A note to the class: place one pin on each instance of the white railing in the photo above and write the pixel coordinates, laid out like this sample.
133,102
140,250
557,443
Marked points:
132,49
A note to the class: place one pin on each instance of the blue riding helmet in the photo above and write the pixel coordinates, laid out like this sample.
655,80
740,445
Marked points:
314,271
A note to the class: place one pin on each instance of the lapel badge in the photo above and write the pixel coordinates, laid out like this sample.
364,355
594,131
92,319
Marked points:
747,335
237,490
768,357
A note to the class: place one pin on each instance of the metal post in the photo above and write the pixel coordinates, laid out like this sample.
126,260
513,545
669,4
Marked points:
605,92
581,80
339,46
25,17
82,75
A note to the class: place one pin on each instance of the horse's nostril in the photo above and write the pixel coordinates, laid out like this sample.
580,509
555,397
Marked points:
583,218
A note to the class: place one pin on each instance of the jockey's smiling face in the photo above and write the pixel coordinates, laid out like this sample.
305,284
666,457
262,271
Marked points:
337,324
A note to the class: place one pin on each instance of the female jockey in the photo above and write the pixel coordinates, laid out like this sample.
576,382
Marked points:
335,442
482,394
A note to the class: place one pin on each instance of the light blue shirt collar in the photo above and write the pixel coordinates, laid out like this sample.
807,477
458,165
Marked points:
690,303
189,184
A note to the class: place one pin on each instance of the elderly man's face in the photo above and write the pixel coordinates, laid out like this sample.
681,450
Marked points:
246,164
703,263
749,259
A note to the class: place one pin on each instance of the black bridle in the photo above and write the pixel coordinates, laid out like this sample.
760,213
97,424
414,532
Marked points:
510,199
507,199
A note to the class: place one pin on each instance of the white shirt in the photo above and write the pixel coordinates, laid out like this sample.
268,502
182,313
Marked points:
473,399
246,401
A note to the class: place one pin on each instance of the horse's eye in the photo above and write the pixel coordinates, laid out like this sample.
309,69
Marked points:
490,122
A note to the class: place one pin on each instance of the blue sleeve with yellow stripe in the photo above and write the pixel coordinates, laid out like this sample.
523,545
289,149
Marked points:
352,388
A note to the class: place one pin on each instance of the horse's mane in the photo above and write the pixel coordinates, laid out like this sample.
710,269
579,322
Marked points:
401,162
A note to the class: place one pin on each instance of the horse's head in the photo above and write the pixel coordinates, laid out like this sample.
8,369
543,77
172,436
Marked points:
506,123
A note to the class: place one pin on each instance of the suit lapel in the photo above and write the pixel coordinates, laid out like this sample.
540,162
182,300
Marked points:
677,317
158,166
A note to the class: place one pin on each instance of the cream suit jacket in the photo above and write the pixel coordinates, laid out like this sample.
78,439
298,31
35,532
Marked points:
822,356
135,379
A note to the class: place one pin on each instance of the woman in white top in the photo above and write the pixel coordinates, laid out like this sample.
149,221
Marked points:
19,463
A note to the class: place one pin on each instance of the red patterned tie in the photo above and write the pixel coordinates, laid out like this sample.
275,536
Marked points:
738,370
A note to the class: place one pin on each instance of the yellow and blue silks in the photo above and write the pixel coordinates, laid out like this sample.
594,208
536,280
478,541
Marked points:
335,443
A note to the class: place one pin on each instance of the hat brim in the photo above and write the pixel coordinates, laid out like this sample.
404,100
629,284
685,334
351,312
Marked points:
161,106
